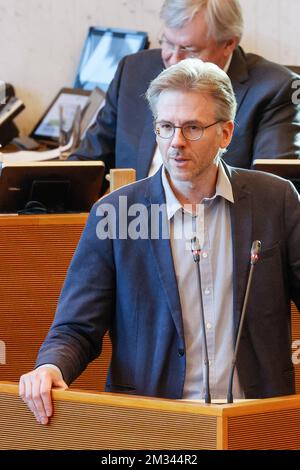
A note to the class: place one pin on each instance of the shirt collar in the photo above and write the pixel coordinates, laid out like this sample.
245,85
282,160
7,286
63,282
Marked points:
223,186
223,189
172,203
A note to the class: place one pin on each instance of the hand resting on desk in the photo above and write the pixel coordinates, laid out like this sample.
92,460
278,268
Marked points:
35,390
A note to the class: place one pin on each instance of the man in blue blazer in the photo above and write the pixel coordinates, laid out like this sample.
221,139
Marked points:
133,273
267,120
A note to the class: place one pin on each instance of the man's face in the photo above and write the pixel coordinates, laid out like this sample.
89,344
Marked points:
186,160
192,41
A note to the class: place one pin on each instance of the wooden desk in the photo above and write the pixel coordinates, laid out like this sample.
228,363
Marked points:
11,148
35,252
97,421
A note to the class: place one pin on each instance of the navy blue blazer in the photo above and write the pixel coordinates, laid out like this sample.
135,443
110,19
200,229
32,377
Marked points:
129,288
267,122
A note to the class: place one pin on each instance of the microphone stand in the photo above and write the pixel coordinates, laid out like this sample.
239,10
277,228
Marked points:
196,250
255,252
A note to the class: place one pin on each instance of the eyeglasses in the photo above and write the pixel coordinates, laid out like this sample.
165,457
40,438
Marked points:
166,130
187,52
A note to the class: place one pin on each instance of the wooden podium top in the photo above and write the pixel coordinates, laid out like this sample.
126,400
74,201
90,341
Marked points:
238,408
86,420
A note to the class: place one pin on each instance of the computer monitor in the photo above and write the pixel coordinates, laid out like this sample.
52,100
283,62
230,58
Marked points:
286,168
50,187
47,130
102,51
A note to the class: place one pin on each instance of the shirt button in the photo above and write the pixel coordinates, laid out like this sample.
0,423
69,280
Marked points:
204,254
207,291
208,325
180,352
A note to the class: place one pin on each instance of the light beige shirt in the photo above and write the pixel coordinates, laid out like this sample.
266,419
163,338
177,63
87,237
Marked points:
212,226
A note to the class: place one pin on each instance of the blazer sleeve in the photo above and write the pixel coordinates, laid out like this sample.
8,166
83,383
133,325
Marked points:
277,132
86,306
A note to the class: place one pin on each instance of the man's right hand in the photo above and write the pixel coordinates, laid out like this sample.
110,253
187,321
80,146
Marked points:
35,390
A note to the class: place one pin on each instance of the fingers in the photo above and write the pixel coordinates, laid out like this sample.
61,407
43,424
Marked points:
40,399
26,396
35,390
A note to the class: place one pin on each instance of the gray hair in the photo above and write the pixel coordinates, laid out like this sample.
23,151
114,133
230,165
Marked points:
199,76
224,17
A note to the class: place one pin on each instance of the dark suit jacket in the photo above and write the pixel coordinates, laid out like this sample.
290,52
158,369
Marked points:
267,122
129,288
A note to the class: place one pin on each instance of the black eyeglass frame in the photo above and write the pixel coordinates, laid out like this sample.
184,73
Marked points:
202,128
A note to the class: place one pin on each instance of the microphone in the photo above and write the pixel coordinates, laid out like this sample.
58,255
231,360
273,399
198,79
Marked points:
254,258
196,250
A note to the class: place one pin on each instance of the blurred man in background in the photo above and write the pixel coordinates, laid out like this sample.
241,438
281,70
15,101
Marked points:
267,121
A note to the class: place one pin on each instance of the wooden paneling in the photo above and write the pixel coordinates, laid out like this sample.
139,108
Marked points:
34,258
105,421
276,430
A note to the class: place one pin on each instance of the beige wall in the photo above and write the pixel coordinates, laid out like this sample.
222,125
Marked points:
272,29
41,40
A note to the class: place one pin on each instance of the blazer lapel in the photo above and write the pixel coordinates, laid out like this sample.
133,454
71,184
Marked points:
240,90
241,223
163,259
238,74
147,142
146,147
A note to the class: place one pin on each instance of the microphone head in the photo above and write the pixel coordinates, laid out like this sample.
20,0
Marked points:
255,251
196,250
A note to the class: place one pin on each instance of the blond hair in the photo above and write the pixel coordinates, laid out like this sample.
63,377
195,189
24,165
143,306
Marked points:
199,76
